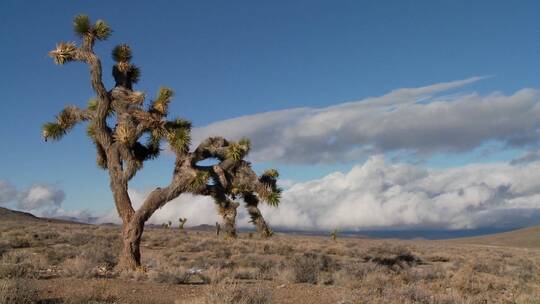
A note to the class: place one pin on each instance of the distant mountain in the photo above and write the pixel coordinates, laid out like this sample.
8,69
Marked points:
8,215
523,238
12,215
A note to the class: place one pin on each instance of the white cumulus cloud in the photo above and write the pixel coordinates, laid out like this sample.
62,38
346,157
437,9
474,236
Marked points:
197,209
378,194
40,196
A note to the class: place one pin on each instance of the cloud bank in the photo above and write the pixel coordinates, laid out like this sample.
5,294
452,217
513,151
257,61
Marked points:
382,195
197,209
378,194
411,119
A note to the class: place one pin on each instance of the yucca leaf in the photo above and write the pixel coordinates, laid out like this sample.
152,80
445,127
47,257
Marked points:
199,181
53,130
238,150
123,133
64,52
134,74
102,30
81,25
90,131
179,139
68,117
161,104
92,104
178,123
273,173
165,94
273,198
121,53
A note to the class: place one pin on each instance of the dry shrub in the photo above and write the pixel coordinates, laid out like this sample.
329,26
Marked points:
17,291
19,242
265,268
222,253
234,293
526,270
488,266
433,273
12,271
216,275
352,274
438,258
79,239
79,267
392,256
306,268
284,250
102,252
59,254
4,248
246,274
170,275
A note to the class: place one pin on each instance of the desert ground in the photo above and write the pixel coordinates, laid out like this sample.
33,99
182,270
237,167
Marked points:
51,261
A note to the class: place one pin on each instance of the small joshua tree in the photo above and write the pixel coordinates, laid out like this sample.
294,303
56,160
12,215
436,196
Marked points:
126,133
334,234
181,223
218,228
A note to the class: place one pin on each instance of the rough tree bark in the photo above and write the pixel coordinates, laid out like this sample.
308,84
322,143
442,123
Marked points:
120,151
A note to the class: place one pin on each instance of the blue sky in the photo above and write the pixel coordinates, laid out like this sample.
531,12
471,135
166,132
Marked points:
226,59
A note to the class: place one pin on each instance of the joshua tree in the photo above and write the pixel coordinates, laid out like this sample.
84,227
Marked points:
333,235
126,134
218,228
181,223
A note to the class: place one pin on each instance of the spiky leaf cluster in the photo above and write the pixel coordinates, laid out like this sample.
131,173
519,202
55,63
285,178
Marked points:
199,181
273,197
161,104
102,30
64,52
238,150
83,27
273,173
65,121
134,74
121,53
124,133
178,134
53,131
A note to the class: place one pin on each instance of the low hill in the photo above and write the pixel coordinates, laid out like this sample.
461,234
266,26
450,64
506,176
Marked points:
8,215
522,238
12,215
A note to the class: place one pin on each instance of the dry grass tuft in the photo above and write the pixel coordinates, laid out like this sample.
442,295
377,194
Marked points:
17,291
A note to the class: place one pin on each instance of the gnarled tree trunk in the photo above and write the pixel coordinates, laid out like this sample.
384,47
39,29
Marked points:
255,214
130,256
227,209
